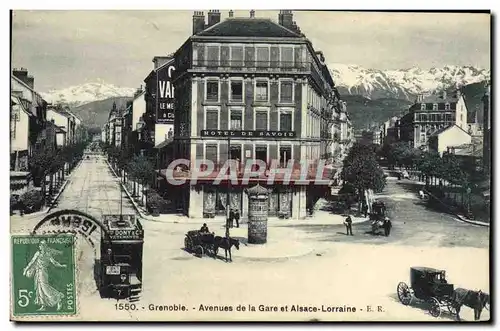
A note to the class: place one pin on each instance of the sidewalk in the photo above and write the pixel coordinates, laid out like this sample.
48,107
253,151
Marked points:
459,216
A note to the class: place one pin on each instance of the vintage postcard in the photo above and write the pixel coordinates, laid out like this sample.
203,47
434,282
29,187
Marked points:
220,165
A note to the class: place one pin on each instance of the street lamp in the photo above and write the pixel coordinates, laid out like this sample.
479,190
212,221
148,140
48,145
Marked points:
228,202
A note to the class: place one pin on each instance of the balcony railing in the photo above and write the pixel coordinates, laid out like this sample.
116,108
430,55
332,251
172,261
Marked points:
223,65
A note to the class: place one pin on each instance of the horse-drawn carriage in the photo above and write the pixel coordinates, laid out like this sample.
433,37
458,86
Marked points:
377,216
207,243
199,242
430,285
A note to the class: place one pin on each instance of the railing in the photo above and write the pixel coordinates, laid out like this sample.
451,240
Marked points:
282,66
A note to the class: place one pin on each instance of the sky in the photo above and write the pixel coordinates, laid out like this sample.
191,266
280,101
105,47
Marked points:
67,48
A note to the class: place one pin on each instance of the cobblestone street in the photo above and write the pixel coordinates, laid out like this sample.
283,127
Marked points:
302,264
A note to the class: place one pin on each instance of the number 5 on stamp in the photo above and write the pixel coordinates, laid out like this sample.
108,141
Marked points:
43,275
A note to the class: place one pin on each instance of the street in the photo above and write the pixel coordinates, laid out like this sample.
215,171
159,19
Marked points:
361,271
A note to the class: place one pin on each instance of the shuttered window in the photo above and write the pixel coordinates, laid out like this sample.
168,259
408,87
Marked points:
286,91
236,119
261,120
212,55
237,56
262,56
237,90
261,90
211,153
212,90
285,122
212,119
287,57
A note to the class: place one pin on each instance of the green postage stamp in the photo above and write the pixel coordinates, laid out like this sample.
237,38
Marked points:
43,275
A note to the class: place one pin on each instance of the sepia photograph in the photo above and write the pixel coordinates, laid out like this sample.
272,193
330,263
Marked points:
221,165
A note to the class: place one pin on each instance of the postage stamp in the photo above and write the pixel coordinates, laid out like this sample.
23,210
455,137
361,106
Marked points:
43,275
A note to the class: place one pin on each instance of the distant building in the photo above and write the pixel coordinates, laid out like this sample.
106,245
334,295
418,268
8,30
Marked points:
430,114
441,140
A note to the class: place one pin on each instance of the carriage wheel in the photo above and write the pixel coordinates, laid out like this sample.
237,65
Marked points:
404,293
199,250
435,307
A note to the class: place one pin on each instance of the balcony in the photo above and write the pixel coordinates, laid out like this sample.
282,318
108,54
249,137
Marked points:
251,66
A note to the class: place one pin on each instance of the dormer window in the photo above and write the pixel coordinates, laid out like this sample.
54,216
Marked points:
422,106
447,106
435,106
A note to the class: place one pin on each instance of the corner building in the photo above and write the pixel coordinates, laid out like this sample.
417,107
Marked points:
250,88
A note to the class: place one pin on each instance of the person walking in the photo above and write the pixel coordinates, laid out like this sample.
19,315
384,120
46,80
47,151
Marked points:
387,226
365,209
231,217
237,217
348,225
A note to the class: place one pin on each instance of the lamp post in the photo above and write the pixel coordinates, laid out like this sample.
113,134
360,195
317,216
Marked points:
228,202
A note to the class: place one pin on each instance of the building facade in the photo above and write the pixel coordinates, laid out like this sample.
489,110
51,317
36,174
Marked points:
250,89
430,114
443,139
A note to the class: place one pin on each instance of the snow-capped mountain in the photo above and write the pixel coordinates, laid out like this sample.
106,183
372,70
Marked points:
402,83
88,92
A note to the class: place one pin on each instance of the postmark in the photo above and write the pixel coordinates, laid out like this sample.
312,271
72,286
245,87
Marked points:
43,275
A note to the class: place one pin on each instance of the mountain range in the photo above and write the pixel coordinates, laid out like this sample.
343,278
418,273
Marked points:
372,95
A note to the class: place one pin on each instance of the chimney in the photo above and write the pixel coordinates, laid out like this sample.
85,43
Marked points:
252,13
231,13
213,17
22,75
198,22
161,60
285,19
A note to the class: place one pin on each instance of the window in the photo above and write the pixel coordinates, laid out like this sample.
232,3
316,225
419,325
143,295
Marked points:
261,90
235,152
262,56
435,106
447,106
212,55
211,153
423,117
237,56
261,120
433,117
212,119
236,120
447,117
285,122
261,153
286,91
237,90
285,155
212,90
422,106
287,57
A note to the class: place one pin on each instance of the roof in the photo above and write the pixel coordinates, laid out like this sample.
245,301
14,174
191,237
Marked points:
28,87
248,27
164,143
469,150
437,98
425,270
439,131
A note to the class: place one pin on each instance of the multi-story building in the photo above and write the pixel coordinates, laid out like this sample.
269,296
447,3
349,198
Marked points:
250,89
430,114
487,130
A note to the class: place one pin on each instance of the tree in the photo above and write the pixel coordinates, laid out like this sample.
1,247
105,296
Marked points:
362,171
141,169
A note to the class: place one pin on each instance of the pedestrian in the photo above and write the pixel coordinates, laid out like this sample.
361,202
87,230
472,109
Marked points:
387,226
231,217
365,209
348,225
237,217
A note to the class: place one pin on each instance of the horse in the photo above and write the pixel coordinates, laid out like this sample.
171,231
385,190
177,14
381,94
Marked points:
226,243
476,300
